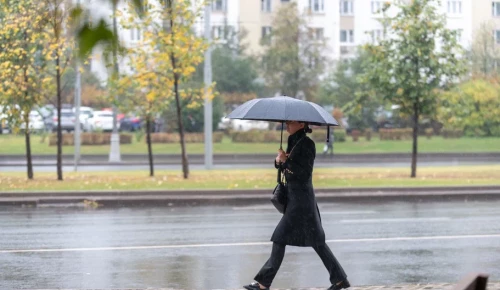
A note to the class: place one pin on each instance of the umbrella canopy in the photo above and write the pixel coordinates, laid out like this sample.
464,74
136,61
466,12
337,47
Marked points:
282,109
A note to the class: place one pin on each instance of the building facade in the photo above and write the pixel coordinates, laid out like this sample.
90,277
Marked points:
344,24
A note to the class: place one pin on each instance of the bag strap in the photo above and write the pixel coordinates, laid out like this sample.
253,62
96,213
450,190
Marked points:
281,174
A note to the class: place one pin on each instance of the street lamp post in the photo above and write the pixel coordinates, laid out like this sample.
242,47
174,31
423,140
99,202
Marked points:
208,101
114,153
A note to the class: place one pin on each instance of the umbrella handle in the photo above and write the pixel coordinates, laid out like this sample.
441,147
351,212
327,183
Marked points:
281,147
327,134
281,141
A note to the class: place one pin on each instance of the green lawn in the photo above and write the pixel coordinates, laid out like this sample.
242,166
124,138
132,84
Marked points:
253,178
10,144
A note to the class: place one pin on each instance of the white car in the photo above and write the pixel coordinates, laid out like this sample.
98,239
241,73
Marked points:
247,125
36,122
103,120
86,118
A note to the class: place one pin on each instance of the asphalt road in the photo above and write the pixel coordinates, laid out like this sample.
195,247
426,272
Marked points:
223,247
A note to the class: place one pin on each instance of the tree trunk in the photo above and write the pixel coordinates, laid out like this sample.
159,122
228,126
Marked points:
28,149
29,162
150,149
415,138
59,129
185,165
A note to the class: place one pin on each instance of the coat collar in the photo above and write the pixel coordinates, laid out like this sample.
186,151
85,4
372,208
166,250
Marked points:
294,138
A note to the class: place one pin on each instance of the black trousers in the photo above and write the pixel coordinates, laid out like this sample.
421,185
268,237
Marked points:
268,272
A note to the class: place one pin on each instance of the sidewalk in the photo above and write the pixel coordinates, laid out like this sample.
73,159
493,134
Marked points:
235,159
237,197
444,286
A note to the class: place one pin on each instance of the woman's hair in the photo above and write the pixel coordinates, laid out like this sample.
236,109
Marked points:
307,129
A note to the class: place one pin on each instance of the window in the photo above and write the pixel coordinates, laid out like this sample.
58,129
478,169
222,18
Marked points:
266,31
377,34
285,0
346,7
454,7
459,33
219,5
217,32
317,5
266,5
317,33
347,36
497,36
135,34
376,6
496,9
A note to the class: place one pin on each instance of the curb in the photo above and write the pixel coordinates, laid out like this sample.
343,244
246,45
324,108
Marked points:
118,198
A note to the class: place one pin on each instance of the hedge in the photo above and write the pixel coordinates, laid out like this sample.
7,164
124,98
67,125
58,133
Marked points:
319,135
257,136
89,139
395,134
188,137
447,133
265,136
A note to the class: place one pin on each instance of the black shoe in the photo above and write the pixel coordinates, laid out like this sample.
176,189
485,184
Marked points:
254,286
340,285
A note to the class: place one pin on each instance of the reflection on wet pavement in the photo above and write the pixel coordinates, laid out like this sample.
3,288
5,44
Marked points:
223,247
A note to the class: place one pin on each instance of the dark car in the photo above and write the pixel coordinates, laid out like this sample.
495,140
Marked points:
130,123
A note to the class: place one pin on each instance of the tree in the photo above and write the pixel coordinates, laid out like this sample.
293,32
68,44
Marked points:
89,82
484,52
294,56
22,38
60,48
165,63
342,88
234,72
419,56
185,52
473,107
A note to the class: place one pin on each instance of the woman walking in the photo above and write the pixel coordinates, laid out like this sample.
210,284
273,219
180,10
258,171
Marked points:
301,223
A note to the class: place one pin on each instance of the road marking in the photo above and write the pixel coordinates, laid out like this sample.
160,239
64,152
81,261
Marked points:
395,220
248,244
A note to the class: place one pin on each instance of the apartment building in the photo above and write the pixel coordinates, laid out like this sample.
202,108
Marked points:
360,21
486,13
256,17
225,15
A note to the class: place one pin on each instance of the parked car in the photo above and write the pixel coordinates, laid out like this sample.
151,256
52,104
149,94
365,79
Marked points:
130,123
68,120
86,118
48,112
103,120
36,122
246,125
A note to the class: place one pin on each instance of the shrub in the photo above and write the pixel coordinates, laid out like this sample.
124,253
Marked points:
164,138
429,132
89,139
355,135
448,133
395,134
339,135
252,136
319,135
368,134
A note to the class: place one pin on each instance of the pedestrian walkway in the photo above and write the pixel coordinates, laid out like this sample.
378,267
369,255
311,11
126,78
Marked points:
444,286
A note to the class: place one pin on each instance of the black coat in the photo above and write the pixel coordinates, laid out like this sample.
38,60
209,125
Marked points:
301,222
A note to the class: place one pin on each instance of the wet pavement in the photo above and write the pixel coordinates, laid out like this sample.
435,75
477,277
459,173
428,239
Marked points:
223,247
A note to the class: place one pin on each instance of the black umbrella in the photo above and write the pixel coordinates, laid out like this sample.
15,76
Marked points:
282,109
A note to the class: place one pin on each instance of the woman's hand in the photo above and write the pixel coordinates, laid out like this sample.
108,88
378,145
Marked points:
282,156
